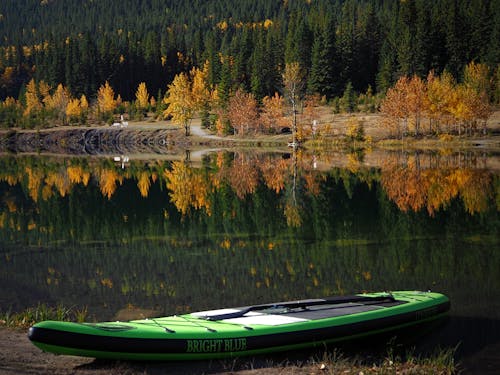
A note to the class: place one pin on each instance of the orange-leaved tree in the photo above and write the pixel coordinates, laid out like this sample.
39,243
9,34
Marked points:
272,116
416,101
394,106
242,112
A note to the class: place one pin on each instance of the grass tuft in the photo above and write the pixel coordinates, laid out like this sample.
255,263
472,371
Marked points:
39,313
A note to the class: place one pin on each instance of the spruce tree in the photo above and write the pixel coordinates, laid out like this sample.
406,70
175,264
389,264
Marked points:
454,30
493,54
224,85
315,83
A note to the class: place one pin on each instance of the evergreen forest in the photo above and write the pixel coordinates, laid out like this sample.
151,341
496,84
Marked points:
366,45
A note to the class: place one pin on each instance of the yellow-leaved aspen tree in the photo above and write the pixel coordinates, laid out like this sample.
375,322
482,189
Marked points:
33,103
180,102
142,96
106,102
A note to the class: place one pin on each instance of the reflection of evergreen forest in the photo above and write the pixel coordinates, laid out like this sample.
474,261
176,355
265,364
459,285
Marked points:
240,229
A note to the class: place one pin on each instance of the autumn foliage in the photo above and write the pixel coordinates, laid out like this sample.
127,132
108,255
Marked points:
413,183
142,96
444,104
106,101
243,112
414,188
413,106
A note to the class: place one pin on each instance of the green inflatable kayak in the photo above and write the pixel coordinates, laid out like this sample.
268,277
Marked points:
241,331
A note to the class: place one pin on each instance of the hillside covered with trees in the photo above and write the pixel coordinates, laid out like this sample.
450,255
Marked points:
83,43
63,58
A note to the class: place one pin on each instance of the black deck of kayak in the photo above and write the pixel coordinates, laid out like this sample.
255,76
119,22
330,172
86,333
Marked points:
313,309
330,311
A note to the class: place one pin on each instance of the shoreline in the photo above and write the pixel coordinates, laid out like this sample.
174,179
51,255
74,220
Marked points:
163,137
18,356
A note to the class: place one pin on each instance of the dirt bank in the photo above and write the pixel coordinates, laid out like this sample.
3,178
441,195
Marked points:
163,138
18,357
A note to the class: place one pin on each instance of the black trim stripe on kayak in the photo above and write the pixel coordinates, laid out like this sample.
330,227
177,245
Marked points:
97,343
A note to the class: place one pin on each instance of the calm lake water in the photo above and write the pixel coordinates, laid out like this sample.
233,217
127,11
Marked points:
160,237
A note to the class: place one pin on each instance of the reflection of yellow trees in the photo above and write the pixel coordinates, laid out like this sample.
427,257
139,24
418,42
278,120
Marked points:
312,182
57,181
190,186
292,214
187,188
108,179
10,203
45,184
77,175
243,176
144,183
475,191
354,160
11,179
274,173
413,188
34,182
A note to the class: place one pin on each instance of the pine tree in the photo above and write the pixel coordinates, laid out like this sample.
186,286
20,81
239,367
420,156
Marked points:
422,39
316,79
348,100
346,42
258,68
493,54
453,27
273,60
211,55
224,86
387,71
367,49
